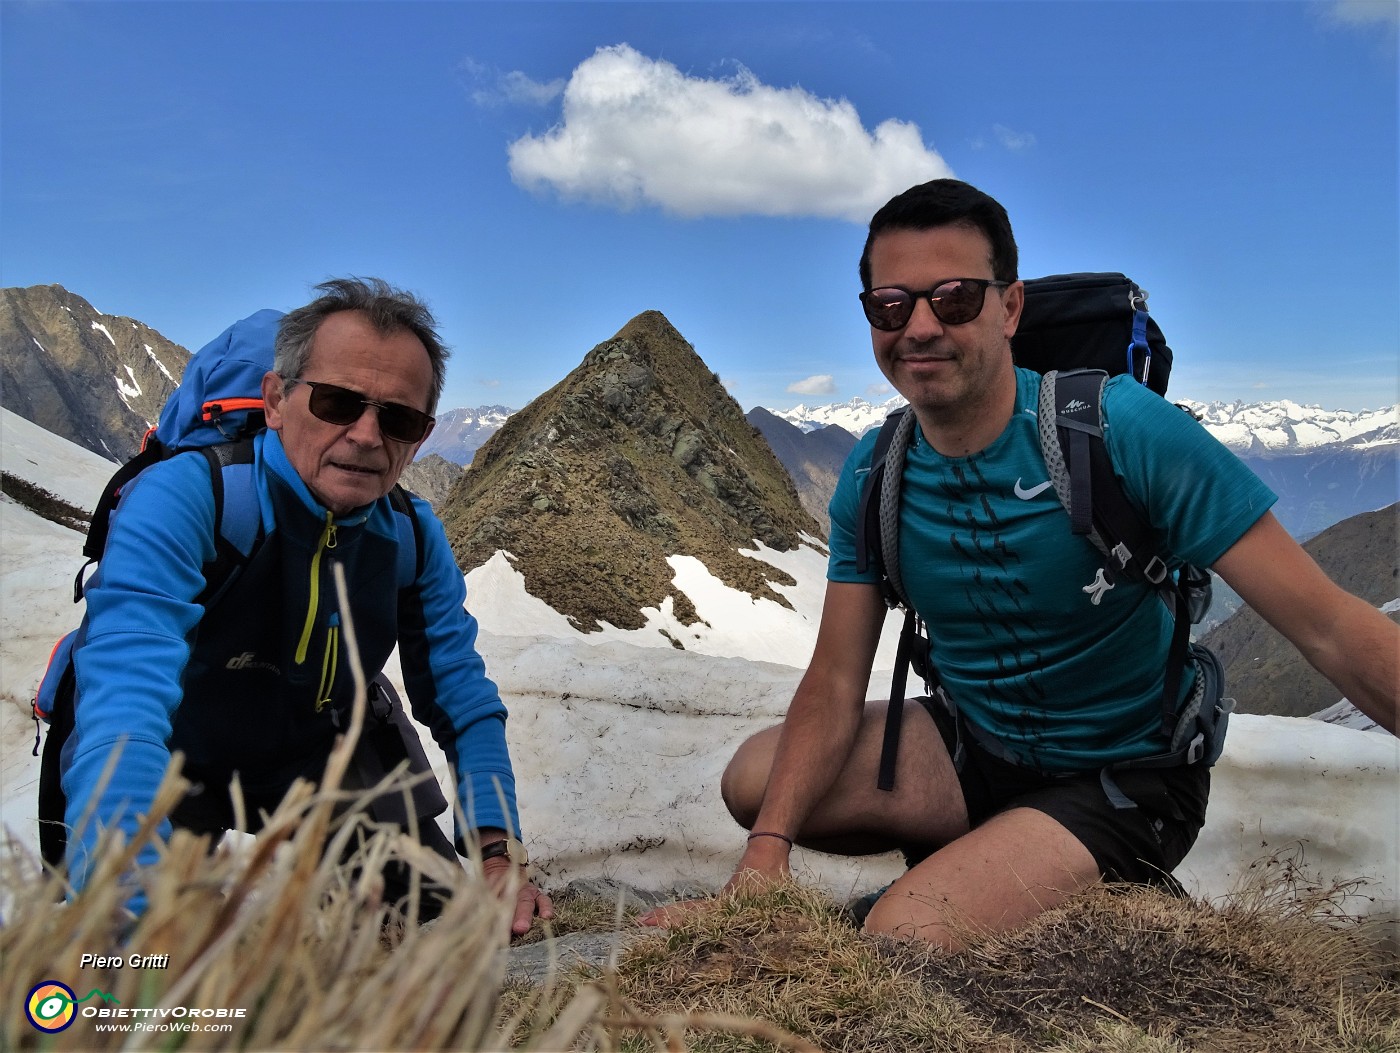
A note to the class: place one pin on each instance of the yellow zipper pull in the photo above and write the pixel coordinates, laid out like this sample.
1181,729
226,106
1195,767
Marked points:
314,603
330,660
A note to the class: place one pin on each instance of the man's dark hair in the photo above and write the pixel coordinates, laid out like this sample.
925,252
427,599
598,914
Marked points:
388,309
946,203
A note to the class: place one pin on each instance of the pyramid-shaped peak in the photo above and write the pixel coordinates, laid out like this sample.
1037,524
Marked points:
637,455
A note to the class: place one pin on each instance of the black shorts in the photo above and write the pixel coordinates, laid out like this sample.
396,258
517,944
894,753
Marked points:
1142,845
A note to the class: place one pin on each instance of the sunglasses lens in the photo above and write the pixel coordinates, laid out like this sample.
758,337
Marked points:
888,309
341,406
957,302
403,423
336,405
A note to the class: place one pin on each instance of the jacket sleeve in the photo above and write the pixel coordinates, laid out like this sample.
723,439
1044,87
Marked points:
130,661
448,687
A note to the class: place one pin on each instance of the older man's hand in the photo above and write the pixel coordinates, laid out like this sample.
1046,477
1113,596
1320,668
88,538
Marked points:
506,879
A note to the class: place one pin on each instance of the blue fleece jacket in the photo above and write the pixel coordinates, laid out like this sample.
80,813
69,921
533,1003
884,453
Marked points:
145,683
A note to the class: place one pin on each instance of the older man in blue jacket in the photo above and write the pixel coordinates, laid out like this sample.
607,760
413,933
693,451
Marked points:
255,684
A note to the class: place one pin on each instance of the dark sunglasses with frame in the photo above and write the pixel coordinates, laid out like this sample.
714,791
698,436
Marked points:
344,406
955,301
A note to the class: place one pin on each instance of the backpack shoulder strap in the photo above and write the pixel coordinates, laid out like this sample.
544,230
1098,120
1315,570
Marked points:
237,534
411,556
877,538
152,451
1071,439
1070,417
237,515
877,521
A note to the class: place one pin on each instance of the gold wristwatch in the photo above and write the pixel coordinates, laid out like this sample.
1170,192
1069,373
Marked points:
508,847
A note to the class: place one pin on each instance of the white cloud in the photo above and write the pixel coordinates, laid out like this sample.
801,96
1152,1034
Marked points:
1012,139
637,131
1361,12
517,87
876,390
495,88
1005,137
490,383
821,384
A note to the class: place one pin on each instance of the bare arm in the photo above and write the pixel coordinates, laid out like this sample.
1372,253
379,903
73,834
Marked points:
820,728
1344,638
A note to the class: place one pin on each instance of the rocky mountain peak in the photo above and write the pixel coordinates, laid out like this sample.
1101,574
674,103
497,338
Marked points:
431,478
96,379
637,455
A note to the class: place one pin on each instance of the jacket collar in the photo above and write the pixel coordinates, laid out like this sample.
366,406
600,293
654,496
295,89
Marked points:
268,444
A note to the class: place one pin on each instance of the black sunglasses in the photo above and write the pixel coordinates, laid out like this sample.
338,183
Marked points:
954,302
341,406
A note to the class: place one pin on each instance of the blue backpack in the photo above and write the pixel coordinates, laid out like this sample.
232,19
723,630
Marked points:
216,410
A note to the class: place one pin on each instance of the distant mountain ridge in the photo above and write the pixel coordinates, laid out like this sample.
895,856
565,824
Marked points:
1258,428
856,416
639,454
1325,465
431,478
98,380
813,458
459,433
1287,427
1245,427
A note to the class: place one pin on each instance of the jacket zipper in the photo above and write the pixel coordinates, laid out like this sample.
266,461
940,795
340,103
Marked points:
330,656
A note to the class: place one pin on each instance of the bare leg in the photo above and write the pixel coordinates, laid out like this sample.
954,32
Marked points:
855,817
995,878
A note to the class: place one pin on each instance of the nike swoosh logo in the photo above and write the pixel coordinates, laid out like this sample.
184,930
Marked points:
1026,495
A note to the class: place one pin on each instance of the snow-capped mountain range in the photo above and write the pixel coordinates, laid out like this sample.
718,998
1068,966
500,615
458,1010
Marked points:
1287,427
1245,427
461,432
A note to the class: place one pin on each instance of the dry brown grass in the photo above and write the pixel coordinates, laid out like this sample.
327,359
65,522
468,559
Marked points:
43,503
1270,971
315,959
320,963
311,954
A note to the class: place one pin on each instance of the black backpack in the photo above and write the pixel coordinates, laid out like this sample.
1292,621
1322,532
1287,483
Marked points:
1077,330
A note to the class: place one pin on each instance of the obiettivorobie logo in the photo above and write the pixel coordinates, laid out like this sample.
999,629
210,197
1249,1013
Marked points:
51,1006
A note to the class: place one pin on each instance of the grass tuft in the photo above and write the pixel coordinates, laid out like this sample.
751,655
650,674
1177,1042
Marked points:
318,961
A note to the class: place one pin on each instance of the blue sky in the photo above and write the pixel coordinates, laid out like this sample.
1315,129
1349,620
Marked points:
541,172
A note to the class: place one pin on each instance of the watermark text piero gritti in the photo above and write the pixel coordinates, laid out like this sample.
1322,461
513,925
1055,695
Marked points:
133,961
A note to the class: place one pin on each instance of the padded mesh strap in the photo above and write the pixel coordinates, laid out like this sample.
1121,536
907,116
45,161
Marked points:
889,504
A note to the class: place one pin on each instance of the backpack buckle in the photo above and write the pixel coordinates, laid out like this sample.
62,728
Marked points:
1155,570
1197,749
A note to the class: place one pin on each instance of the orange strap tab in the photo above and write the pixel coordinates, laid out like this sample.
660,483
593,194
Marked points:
218,407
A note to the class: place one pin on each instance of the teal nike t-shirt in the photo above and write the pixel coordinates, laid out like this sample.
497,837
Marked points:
1066,674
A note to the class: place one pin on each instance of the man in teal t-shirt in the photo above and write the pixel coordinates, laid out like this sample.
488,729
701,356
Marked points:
1064,676
1053,675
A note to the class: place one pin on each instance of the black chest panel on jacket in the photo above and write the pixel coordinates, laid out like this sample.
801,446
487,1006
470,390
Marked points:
249,706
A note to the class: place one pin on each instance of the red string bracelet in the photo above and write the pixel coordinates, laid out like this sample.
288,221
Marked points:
770,833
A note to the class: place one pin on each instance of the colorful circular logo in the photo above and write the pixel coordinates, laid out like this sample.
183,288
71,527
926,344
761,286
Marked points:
50,1006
